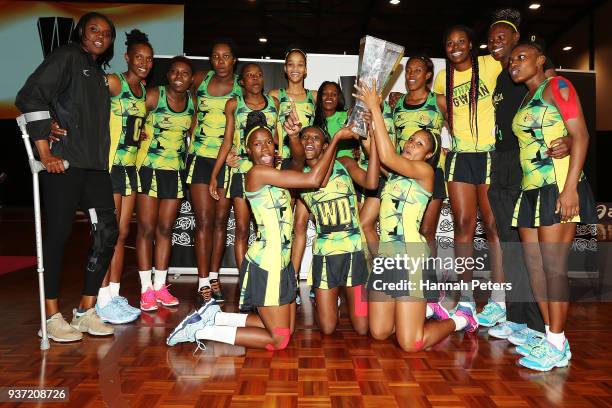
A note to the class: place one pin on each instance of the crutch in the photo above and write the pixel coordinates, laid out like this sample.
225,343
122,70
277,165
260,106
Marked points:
35,168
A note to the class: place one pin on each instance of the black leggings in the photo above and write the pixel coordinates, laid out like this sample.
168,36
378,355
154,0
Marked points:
62,195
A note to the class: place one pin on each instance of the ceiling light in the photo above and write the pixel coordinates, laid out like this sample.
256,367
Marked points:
567,48
535,6
263,40
394,2
483,46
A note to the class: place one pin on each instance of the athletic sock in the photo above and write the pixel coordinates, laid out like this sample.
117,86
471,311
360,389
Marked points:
203,282
104,296
499,297
556,339
428,312
460,322
145,280
114,288
213,275
159,279
231,319
546,329
222,334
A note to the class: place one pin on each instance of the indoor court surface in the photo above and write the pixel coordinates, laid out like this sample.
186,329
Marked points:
135,368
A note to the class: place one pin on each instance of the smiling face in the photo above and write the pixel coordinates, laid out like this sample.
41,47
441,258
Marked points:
139,60
260,147
180,77
525,62
458,46
252,79
502,39
295,67
222,60
418,146
97,36
313,142
416,74
329,97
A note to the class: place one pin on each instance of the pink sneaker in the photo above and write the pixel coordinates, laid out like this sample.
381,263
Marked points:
439,312
147,300
472,323
165,298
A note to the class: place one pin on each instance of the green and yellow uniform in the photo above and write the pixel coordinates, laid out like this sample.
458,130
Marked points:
338,257
267,277
127,113
305,111
333,124
163,155
470,160
427,116
208,133
536,125
236,179
402,205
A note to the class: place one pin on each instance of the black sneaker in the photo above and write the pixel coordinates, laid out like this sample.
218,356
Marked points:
203,296
246,308
216,294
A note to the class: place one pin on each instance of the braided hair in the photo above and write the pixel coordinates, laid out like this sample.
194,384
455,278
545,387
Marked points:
500,16
429,66
255,120
474,82
136,37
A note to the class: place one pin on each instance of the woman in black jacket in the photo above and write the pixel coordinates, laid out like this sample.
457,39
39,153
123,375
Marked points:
72,86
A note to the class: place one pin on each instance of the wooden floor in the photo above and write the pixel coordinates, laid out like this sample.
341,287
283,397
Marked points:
136,369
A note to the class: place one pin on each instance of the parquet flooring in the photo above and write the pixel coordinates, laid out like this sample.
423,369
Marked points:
136,369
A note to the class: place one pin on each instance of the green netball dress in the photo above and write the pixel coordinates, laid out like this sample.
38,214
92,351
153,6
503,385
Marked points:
537,124
305,110
338,258
208,133
159,175
236,179
410,118
333,124
402,205
267,277
127,113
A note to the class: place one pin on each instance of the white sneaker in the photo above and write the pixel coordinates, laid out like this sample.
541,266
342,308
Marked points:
59,330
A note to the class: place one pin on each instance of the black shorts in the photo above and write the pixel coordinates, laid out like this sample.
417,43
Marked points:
536,208
162,184
439,191
258,289
331,271
199,169
471,168
236,185
124,180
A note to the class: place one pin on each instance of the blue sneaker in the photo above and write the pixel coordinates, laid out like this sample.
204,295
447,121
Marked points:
505,329
115,313
185,331
521,337
492,314
124,303
525,349
545,357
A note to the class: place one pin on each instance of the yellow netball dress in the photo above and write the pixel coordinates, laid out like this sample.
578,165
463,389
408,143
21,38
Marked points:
127,114
469,160
536,124
338,258
305,111
208,133
402,205
267,277
159,175
236,179
410,118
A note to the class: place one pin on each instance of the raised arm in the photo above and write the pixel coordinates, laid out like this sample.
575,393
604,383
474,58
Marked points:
293,126
366,179
561,93
226,145
261,175
417,170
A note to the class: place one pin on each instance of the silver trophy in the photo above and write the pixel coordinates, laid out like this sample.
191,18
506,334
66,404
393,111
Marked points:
377,61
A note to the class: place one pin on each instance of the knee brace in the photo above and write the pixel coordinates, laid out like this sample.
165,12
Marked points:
104,233
285,333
